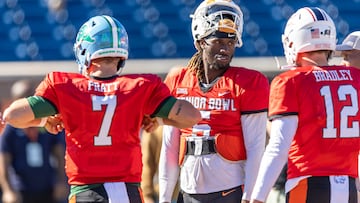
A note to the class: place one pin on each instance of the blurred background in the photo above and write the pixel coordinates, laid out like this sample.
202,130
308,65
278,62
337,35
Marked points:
33,30
37,36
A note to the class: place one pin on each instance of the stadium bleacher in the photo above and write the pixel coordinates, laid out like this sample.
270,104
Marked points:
32,30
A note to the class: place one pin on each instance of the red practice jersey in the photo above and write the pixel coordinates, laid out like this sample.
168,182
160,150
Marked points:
239,91
326,101
102,121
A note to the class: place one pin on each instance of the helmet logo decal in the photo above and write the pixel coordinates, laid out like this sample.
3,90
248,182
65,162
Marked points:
84,35
227,25
315,33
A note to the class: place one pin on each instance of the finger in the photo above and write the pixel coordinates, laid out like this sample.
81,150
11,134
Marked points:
148,127
59,128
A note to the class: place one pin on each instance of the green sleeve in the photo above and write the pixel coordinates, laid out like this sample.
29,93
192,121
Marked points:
41,107
164,108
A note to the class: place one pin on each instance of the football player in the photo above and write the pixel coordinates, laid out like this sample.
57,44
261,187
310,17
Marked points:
218,158
314,109
350,49
102,113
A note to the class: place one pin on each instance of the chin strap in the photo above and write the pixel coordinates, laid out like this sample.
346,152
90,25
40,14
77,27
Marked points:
121,64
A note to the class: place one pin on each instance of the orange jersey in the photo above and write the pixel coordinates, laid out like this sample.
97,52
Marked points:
239,91
102,120
326,101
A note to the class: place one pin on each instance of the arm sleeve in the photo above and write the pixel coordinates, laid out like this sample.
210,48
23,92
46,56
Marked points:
164,108
168,164
41,107
282,133
254,130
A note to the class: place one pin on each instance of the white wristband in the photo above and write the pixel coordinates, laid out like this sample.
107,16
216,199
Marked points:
160,120
42,122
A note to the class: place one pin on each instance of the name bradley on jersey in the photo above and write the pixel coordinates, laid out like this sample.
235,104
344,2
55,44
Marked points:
332,75
211,103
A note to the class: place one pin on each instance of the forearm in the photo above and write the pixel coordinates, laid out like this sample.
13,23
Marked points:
20,115
254,130
183,115
275,156
168,166
167,184
149,167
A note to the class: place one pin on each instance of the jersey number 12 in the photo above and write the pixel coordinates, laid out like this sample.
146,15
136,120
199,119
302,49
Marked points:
345,112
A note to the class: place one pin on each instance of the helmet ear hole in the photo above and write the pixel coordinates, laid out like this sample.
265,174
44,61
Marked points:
290,44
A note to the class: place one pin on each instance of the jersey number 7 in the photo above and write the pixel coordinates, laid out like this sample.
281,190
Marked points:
103,138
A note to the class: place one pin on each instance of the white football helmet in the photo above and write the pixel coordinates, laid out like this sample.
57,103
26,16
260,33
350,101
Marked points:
308,29
217,15
100,36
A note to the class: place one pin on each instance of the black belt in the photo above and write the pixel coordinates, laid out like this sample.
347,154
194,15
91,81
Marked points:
208,147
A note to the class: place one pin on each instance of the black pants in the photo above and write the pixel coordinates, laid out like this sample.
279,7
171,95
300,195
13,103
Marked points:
232,195
99,195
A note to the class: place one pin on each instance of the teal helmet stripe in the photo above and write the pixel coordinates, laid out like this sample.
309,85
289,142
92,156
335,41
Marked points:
114,30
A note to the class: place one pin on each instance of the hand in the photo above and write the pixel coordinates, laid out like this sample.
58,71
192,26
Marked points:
10,196
149,124
54,124
148,200
61,191
2,123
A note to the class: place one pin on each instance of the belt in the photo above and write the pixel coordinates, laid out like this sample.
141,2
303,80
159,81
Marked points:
200,147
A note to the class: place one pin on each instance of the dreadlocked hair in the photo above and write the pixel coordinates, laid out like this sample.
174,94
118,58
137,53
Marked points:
196,65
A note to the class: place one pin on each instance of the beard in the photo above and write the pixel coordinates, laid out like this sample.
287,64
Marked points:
219,65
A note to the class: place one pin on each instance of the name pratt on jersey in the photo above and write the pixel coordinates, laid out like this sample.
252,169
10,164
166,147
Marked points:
102,87
332,75
211,103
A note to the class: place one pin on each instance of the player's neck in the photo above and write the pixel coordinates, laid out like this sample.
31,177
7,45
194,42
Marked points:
211,75
318,61
102,72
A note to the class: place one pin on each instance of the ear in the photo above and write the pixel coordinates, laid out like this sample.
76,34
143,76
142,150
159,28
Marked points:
199,44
